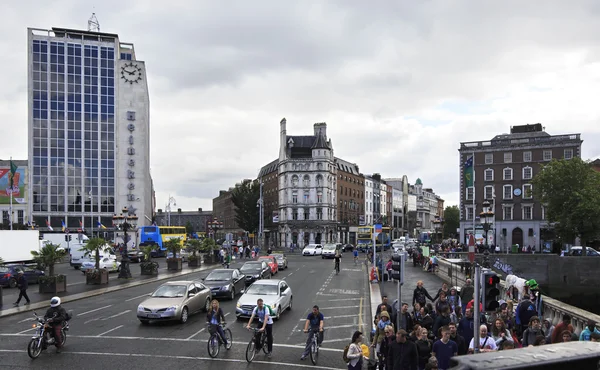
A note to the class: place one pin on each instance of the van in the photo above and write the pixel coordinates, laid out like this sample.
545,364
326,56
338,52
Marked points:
78,256
59,238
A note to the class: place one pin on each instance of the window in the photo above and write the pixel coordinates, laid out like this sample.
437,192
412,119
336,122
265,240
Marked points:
526,156
469,213
295,180
568,153
527,191
294,197
294,214
20,216
319,213
527,212
489,192
306,180
319,180
306,215
508,174
306,197
469,193
319,197
489,158
507,213
508,157
547,155
543,213
489,175
507,192
527,173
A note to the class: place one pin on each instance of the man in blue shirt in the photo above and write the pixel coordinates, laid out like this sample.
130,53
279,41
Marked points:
264,317
314,322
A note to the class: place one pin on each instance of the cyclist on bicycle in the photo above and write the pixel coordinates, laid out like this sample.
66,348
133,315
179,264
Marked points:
266,320
315,321
215,317
337,258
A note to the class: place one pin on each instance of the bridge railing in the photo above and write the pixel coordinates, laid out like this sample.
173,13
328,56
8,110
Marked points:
456,274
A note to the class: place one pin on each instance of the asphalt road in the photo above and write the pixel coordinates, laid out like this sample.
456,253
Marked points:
105,331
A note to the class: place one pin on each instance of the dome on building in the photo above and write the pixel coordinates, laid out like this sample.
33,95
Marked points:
419,182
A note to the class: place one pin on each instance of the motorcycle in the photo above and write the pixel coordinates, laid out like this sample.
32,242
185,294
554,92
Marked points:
44,335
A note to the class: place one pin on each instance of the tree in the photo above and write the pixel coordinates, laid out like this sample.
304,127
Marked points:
451,220
570,192
245,198
48,255
93,246
189,228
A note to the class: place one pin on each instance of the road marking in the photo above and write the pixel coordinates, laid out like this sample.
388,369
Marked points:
344,291
111,330
168,340
334,317
81,282
326,294
25,331
134,298
196,333
117,315
191,358
97,309
334,327
357,270
328,341
92,320
27,319
336,308
343,299
360,322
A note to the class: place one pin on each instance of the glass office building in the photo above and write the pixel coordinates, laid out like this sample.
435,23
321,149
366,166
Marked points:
74,129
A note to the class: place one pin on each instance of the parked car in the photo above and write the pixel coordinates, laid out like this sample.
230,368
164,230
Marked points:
348,248
312,250
329,250
282,261
275,293
175,300
183,254
135,255
578,251
272,262
255,270
8,274
110,264
225,282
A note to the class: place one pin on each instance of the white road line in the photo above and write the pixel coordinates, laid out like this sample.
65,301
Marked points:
339,326
97,309
168,340
27,319
111,330
335,340
25,331
191,358
196,333
333,317
337,308
134,298
92,320
79,283
343,299
117,315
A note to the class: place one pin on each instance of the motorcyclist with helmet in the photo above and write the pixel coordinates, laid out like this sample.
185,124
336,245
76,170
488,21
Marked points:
56,316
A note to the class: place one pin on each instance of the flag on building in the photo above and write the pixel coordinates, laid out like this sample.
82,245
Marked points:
469,172
81,225
11,176
63,226
99,224
48,226
30,225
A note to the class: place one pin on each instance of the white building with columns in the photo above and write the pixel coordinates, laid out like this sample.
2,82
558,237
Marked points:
307,188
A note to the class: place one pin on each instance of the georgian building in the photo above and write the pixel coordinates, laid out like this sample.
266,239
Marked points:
351,200
307,187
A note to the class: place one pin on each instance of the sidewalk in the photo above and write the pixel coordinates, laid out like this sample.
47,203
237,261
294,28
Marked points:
114,284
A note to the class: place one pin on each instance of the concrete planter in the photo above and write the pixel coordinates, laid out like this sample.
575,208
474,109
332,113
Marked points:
149,268
96,277
53,285
194,263
174,264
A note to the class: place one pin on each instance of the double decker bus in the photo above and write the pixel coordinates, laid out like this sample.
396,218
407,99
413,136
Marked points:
364,238
157,235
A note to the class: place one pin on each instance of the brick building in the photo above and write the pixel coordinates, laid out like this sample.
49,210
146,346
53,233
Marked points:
503,170
351,199
269,177
224,211
197,219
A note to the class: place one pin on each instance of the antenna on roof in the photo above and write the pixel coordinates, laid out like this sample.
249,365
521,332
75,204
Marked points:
93,24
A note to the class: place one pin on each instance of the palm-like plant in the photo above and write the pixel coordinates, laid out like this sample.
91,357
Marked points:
48,256
209,244
174,246
93,246
194,246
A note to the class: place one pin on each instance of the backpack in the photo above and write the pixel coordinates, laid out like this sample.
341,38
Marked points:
345,354
271,312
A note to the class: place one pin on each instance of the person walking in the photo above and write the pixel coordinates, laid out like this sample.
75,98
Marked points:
22,285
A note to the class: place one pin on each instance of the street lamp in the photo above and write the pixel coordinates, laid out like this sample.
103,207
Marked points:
486,217
125,222
436,224
213,226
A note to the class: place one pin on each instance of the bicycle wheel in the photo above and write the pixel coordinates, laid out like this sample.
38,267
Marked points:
213,346
263,342
229,338
314,352
250,351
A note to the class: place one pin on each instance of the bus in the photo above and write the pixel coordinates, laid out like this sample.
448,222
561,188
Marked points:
157,235
364,237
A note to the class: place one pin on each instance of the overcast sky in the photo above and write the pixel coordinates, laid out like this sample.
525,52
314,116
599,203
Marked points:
399,83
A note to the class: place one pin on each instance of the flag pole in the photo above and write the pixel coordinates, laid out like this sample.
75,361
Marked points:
11,184
474,205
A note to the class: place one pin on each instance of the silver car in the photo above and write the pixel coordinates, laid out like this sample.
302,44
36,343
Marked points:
175,300
274,292
282,262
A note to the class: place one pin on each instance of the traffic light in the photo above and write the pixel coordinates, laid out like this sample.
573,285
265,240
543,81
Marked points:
490,291
397,266
67,237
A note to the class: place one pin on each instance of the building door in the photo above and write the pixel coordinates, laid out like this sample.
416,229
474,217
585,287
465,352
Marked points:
295,238
517,236
318,238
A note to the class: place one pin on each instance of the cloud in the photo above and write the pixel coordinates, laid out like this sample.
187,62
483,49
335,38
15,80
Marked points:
400,84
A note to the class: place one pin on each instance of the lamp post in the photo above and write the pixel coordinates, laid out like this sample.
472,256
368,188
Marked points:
436,225
487,217
125,222
213,226
261,210
168,208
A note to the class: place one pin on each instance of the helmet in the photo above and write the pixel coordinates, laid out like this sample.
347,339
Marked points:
55,302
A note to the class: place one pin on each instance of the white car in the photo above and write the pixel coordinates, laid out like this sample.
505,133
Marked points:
312,250
110,264
329,250
274,292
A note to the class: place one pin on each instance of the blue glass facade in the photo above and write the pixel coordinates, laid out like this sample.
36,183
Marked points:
73,130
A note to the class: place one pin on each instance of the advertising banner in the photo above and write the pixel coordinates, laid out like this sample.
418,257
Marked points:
18,190
275,217
361,220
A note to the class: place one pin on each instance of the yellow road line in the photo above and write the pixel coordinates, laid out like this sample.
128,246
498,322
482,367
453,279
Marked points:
360,319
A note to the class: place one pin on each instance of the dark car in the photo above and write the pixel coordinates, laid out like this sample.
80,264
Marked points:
225,282
255,270
347,248
8,275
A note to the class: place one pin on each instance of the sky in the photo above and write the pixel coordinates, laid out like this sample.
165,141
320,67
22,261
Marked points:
399,83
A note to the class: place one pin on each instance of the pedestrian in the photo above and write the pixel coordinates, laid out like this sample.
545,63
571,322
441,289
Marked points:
22,285
227,259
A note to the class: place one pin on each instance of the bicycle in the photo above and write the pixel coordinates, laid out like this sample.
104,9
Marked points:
252,348
215,341
314,347
337,268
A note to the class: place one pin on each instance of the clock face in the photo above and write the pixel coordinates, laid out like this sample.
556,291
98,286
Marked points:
517,191
131,73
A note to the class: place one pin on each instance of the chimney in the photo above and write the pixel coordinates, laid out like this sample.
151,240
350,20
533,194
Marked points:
282,139
200,210
321,128
178,210
159,210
